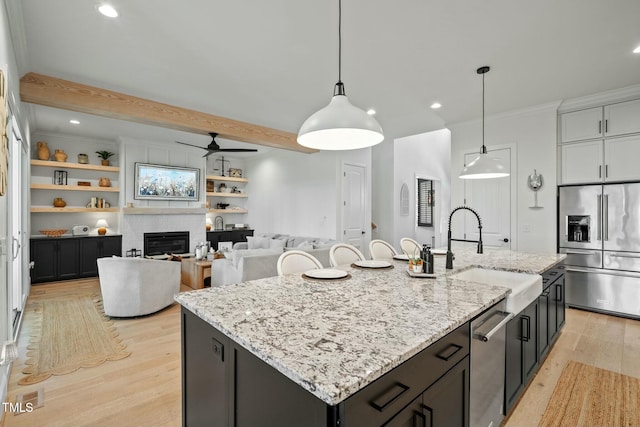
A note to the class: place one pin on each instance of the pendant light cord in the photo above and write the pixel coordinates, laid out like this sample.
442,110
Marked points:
484,149
339,41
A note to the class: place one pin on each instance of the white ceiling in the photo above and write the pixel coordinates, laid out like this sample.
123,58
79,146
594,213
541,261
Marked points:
274,62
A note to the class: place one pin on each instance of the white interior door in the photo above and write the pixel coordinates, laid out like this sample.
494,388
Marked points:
491,199
354,205
17,220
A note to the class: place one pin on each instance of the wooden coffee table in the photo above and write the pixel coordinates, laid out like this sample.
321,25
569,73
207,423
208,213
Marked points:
194,272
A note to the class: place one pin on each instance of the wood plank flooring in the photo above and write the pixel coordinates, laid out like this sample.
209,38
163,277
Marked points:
144,389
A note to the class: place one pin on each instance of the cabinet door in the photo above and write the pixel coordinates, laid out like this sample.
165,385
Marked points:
514,372
111,245
89,253
582,162
68,259
411,416
43,255
446,402
530,340
560,303
621,159
544,324
552,325
580,125
622,118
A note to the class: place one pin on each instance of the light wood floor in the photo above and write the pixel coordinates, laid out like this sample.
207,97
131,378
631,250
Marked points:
144,389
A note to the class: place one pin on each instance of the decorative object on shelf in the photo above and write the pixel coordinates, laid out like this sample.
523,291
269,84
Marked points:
59,202
340,125
235,190
133,253
209,224
222,187
102,226
60,156
222,205
211,186
54,232
43,151
83,159
104,155
84,183
235,172
178,183
535,182
104,182
219,223
80,230
60,177
484,167
98,203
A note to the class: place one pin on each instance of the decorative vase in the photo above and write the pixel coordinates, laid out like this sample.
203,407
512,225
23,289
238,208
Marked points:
43,151
60,156
59,202
104,182
416,265
83,159
105,162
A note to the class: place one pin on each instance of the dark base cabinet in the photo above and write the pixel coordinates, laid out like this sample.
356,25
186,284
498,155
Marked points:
225,385
233,236
531,334
68,258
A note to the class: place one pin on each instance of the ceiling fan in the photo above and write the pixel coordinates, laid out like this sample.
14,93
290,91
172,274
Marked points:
213,147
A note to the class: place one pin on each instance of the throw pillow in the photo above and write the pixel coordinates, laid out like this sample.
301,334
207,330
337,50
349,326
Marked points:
258,242
276,244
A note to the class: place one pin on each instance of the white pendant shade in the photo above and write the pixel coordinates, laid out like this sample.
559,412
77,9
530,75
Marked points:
340,126
484,167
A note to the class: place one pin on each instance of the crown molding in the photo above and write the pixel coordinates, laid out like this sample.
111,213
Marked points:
599,99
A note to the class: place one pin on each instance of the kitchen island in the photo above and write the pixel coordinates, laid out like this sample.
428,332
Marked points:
294,351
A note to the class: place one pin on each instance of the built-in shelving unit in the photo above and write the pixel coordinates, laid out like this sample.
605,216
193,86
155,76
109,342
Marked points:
92,188
69,165
49,209
221,195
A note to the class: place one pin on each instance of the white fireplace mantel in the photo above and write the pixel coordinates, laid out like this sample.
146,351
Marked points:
164,211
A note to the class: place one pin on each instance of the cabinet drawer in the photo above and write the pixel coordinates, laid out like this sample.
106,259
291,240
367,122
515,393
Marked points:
380,400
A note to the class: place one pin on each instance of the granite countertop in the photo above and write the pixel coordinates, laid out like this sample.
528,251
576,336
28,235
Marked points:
335,337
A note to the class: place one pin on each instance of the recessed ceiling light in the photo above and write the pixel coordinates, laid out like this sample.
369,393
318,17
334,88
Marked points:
371,111
636,50
74,122
436,105
108,10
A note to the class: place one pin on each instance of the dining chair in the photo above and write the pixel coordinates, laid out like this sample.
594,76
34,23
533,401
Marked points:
344,254
380,249
410,247
296,261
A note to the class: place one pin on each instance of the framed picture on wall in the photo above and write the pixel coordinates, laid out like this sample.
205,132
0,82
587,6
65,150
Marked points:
161,182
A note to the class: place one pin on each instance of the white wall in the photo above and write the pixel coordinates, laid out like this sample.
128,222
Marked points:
300,194
426,156
382,184
533,131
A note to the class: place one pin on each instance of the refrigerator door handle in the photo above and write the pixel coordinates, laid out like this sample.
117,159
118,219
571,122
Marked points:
599,219
624,255
578,252
606,217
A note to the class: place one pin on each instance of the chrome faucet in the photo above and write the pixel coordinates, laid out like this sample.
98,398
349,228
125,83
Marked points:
449,239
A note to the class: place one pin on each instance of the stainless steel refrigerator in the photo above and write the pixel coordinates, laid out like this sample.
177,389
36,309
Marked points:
599,230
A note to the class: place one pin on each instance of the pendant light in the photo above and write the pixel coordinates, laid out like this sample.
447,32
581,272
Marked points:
484,167
340,125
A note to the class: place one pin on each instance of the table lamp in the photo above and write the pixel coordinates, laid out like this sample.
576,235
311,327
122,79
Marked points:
209,224
102,226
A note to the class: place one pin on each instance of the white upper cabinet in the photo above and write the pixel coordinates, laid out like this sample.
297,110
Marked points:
582,162
581,125
621,159
622,118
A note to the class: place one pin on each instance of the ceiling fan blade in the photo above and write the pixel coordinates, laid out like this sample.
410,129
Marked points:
210,152
190,145
238,150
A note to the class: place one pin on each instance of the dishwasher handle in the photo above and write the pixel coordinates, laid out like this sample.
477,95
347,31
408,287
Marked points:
486,336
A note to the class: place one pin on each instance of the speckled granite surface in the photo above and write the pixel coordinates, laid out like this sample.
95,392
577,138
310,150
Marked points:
335,337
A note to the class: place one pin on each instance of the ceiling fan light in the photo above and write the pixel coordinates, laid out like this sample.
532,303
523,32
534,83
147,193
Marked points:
340,126
484,167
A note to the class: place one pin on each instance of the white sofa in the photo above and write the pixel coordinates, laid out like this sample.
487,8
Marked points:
137,286
257,258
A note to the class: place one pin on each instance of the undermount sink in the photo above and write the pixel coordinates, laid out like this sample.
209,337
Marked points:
525,288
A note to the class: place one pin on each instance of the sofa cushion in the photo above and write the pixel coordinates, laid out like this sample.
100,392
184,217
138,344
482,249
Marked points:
276,244
241,253
254,242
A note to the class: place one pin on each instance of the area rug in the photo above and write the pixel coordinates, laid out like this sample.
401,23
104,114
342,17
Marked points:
69,333
590,396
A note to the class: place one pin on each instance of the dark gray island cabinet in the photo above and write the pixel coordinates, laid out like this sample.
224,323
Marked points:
225,385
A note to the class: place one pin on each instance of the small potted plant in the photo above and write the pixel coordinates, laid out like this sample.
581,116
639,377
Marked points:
415,263
104,155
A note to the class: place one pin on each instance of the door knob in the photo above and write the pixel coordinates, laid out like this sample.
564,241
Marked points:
506,240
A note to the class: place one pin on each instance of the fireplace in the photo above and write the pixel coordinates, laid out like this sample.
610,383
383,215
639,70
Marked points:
172,242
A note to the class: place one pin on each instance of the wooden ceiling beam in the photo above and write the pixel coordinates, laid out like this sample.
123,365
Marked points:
54,92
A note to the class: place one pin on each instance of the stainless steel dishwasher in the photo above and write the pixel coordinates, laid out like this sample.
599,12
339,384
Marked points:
488,336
